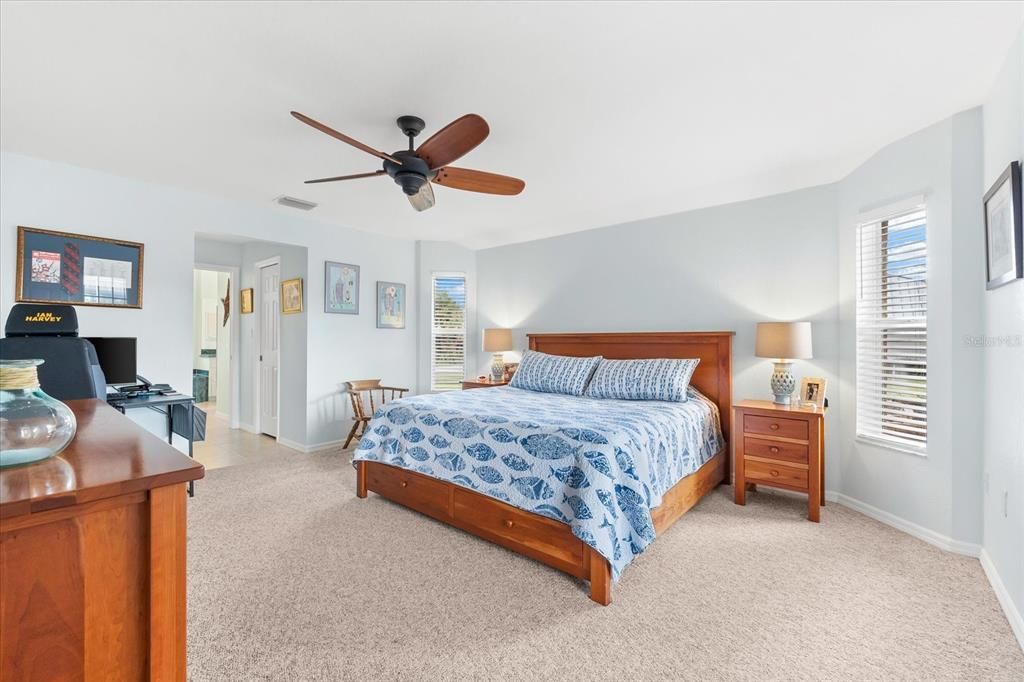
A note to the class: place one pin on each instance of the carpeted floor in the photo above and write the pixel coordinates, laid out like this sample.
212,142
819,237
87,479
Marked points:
291,577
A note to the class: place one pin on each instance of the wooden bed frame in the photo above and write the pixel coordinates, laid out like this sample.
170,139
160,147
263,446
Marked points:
544,539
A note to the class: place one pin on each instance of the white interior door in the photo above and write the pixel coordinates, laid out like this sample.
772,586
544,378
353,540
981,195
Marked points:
270,337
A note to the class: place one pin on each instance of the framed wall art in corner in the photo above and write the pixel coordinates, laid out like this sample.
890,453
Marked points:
246,301
1004,245
63,267
291,296
390,305
341,288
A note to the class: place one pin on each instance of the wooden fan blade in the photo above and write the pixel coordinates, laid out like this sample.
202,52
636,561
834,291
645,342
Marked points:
453,141
423,199
343,137
346,177
478,181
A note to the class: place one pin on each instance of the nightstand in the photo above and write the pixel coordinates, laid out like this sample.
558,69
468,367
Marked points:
484,383
780,446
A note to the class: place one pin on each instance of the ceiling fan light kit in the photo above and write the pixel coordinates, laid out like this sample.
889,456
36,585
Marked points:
414,169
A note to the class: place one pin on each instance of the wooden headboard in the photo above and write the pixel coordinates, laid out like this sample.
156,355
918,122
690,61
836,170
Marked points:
713,376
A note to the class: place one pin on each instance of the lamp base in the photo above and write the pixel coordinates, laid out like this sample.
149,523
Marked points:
783,382
498,367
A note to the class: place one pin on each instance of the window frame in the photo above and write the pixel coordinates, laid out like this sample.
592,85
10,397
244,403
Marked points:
877,220
434,277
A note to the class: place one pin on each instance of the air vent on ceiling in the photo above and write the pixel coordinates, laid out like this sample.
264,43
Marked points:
292,202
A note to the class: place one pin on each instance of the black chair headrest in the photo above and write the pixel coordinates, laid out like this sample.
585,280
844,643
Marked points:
35,319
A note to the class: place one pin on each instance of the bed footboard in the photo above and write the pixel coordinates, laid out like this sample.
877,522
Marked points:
524,532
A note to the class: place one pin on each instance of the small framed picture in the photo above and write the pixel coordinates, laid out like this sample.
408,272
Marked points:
341,288
390,305
812,391
1004,240
246,301
291,296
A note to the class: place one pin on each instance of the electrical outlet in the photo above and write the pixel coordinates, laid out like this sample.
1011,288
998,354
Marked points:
1006,503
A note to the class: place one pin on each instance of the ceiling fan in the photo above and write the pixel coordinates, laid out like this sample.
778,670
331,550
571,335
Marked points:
414,170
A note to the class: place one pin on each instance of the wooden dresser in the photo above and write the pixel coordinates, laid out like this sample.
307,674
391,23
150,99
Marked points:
781,446
92,556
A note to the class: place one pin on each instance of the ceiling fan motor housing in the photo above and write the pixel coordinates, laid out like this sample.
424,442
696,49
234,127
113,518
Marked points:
411,175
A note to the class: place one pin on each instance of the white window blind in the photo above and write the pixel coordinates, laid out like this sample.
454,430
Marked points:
892,329
448,332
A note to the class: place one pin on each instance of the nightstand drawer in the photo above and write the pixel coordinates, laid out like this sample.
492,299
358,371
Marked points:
775,474
775,426
787,452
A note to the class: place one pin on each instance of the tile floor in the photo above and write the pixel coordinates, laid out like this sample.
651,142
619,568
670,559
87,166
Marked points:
226,447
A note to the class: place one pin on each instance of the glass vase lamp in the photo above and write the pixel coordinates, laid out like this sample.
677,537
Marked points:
497,341
783,342
33,426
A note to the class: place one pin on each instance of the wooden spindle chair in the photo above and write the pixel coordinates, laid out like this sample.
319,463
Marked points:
367,388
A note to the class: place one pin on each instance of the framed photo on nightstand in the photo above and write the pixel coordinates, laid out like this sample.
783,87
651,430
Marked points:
812,391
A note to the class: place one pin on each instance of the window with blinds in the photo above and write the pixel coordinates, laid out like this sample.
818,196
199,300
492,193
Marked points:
448,332
892,330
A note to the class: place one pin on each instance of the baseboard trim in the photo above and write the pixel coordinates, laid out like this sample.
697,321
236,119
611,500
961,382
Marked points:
909,527
1003,595
291,444
248,427
315,447
326,445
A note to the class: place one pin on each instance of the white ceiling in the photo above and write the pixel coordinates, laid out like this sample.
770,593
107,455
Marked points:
611,112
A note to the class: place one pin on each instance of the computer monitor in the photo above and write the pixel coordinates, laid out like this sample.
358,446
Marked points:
117,358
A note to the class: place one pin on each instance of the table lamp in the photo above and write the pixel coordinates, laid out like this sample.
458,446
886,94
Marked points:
784,342
497,341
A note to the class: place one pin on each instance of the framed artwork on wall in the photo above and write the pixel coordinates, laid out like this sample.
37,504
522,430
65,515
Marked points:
246,301
1004,250
390,305
341,288
291,296
63,267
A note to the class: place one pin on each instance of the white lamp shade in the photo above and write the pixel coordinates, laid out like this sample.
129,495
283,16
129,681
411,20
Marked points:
497,340
784,340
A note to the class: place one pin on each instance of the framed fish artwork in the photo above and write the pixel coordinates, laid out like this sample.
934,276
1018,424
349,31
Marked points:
391,304
341,288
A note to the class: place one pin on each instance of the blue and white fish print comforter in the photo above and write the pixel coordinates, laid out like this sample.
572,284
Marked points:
598,465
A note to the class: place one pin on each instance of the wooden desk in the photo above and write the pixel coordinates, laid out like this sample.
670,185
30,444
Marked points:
92,556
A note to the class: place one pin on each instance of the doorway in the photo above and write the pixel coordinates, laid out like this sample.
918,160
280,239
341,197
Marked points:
269,349
215,342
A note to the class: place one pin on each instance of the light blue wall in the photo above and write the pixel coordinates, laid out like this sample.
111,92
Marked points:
941,163
1003,113
721,268
791,256
55,195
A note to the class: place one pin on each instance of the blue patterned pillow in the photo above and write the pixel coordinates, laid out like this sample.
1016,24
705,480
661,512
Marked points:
554,373
657,379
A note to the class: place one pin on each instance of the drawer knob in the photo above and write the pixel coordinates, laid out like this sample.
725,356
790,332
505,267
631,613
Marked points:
509,524
774,427
773,449
774,472
405,484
